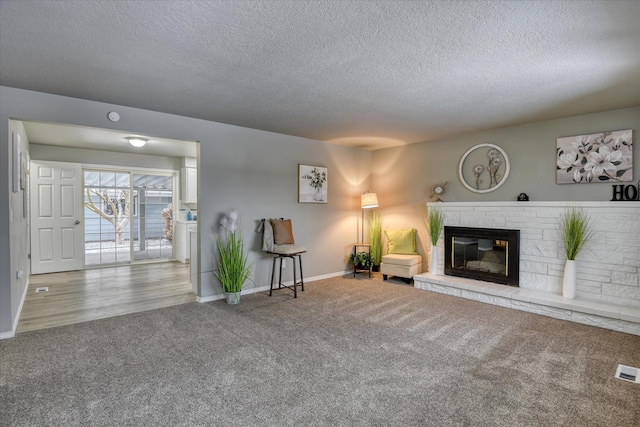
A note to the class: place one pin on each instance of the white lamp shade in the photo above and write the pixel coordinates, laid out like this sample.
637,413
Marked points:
369,200
137,141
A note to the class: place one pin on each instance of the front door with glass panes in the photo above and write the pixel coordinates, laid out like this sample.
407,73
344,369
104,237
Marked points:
128,216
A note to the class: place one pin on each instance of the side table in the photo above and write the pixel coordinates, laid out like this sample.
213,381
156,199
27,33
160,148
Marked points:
355,251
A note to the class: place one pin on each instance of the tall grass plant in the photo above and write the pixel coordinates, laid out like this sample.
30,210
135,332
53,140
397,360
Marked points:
375,237
234,268
435,224
575,231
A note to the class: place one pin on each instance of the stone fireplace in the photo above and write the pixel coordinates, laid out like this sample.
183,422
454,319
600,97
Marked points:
488,254
608,267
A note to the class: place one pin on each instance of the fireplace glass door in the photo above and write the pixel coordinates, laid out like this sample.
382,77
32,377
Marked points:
487,254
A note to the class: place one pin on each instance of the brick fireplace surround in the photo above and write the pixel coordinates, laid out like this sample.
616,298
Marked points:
608,287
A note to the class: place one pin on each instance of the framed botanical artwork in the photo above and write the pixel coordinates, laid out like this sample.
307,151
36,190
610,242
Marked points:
597,157
313,184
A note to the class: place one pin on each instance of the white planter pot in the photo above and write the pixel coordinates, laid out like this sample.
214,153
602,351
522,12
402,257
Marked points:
433,266
232,297
569,279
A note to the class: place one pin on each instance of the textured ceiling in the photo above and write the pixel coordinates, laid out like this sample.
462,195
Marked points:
365,73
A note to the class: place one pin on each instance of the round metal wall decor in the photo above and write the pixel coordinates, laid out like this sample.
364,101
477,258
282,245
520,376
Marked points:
484,168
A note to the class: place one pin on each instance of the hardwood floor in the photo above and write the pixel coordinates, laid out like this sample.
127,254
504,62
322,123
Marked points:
79,296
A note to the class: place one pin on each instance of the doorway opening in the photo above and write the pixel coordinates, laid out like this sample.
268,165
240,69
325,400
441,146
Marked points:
140,274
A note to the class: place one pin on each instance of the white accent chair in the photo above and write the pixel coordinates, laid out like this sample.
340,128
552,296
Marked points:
398,265
402,259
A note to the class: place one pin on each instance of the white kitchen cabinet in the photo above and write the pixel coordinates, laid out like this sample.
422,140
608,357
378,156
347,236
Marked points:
181,239
189,185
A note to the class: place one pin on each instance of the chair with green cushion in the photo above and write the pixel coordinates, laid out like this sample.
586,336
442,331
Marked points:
402,259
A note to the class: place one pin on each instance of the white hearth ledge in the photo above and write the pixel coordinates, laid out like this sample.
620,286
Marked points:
595,313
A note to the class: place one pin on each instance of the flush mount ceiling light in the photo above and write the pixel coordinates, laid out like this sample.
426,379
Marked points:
137,141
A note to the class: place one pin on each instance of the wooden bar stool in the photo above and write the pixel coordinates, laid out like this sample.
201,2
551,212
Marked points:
293,255
277,240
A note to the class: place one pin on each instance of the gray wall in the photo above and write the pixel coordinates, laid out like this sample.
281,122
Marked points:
257,174
6,281
19,240
252,171
403,176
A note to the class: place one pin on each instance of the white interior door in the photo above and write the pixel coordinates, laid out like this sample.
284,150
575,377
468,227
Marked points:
57,236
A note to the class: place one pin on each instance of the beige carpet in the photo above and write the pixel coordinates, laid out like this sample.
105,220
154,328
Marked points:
347,352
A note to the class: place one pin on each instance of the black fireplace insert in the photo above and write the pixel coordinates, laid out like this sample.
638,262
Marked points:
489,254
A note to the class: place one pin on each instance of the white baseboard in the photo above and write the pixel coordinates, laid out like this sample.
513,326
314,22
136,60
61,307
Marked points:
221,296
266,288
7,335
209,299
328,276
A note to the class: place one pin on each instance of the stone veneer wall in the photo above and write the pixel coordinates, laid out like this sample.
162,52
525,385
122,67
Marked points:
608,267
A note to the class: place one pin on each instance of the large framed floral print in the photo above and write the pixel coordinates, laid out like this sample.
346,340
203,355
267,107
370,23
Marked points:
312,184
597,157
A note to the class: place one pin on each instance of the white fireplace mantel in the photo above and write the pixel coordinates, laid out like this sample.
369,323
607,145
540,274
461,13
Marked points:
552,204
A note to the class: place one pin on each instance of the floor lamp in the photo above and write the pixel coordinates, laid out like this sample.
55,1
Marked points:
367,201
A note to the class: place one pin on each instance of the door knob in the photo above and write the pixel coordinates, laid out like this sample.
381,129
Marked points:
77,221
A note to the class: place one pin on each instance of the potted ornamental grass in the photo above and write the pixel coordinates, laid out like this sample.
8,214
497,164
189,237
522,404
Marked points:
234,268
575,232
375,239
435,224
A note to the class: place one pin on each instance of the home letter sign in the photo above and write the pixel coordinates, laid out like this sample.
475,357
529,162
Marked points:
624,193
